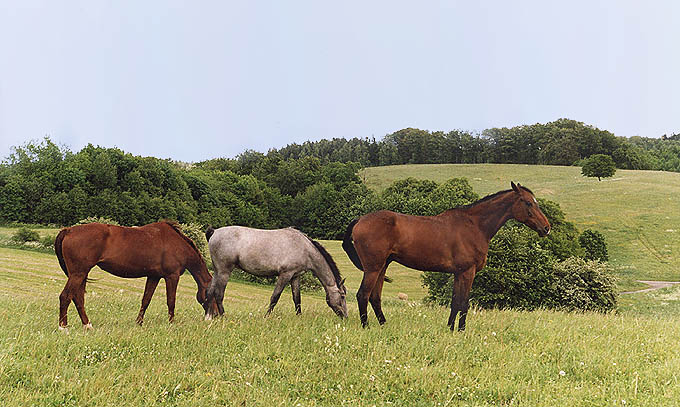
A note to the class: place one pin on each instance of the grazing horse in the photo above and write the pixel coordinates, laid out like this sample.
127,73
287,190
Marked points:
455,241
155,251
287,253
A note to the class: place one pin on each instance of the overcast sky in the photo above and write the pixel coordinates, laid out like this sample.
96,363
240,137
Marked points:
198,80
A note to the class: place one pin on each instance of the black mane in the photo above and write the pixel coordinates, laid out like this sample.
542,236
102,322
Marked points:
491,196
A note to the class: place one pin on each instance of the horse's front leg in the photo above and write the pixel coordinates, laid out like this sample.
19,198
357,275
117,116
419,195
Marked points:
149,289
295,289
281,282
217,287
171,293
460,301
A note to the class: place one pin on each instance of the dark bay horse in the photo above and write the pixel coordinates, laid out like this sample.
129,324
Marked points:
455,241
155,251
286,253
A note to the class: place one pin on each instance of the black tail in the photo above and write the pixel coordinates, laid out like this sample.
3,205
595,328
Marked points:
57,249
209,232
348,246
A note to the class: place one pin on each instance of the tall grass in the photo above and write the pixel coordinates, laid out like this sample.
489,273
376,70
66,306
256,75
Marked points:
508,358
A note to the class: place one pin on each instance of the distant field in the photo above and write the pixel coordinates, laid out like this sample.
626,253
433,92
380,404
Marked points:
637,211
505,358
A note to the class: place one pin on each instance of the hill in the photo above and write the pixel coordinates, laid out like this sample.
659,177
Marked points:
637,211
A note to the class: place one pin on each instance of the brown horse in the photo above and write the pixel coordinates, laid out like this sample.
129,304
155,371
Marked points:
155,251
455,241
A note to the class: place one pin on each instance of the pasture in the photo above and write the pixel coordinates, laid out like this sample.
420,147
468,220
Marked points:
509,358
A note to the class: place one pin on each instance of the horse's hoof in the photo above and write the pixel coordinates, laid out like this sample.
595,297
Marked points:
63,328
88,326
208,317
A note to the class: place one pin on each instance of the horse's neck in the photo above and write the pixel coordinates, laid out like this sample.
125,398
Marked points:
323,272
492,214
200,273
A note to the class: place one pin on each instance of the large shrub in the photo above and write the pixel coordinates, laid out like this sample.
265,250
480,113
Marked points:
587,285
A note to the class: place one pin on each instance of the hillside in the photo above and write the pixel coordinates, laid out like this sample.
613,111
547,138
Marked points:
637,211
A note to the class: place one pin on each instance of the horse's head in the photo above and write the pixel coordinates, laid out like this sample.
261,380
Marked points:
336,299
526,210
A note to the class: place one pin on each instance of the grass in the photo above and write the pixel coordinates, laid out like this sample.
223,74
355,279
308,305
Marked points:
506,358
637,211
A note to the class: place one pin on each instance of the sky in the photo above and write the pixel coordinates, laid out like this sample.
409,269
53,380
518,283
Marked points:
192,81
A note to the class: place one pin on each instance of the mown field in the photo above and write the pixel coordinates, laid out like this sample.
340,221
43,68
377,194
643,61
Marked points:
506,358
637,211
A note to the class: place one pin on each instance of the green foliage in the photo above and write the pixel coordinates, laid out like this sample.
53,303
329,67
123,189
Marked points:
598,165
425,197
594,244
24,234
584,285
97,219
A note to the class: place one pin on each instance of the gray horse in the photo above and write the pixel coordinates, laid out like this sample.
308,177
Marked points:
287,253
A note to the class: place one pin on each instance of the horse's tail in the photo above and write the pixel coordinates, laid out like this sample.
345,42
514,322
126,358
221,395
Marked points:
348,246
209,232
57,249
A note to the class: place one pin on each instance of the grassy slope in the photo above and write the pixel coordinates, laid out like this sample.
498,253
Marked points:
504,358
637,211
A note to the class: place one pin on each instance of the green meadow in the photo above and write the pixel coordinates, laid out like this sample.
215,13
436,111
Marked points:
504,358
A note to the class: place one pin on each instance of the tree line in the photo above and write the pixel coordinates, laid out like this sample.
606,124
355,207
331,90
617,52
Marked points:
561,142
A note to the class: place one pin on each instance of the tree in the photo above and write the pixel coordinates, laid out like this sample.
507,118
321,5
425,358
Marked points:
598,165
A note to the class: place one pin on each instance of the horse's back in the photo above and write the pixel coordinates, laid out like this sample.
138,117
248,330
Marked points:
123,251
259,250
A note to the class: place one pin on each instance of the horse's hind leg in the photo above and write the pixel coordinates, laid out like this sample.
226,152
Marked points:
375,298
364,292
74,290
281,282
295,289
149,288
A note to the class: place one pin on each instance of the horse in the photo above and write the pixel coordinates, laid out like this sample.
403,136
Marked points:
287,253
155,251
455,241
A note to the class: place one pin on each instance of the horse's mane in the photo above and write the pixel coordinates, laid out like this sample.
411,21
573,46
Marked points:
492,196
328,258
176,227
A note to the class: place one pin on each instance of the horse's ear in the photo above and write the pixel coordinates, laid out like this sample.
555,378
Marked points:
514,187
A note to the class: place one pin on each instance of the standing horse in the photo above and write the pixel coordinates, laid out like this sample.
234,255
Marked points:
287,253
455,241
155,251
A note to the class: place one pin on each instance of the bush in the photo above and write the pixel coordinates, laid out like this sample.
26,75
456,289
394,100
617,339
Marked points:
594,245
48,241
585,285
24,234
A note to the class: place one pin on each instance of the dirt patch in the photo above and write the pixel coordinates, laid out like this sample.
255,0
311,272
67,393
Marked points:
653,285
